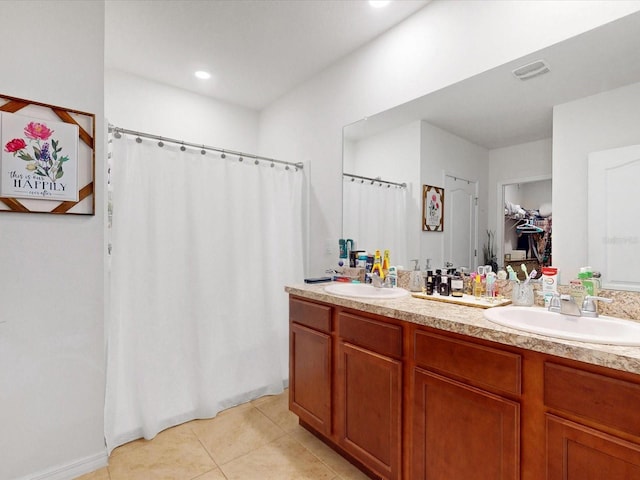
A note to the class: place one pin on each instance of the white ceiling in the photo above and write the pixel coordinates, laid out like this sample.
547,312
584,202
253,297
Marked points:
494,109
256,50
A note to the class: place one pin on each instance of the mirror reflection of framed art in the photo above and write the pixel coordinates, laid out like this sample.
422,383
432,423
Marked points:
432,208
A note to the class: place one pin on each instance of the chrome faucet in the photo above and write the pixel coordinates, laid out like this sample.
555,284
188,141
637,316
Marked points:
378,282
564,304
589,308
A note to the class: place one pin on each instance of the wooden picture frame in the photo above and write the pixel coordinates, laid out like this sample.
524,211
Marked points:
83,157
432,208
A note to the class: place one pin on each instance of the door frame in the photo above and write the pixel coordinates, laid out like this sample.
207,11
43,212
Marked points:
500,208
475,215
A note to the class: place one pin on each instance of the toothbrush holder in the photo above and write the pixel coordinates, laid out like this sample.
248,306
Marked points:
522,294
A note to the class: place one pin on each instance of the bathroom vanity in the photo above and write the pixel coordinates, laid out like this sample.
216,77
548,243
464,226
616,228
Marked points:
414,389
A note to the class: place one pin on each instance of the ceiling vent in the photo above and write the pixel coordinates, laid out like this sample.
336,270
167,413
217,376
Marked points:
530,70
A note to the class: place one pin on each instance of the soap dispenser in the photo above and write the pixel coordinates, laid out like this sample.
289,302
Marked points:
415,279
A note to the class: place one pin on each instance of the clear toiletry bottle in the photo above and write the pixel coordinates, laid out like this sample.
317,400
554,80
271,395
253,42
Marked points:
457,285
477,286
415,279
393,276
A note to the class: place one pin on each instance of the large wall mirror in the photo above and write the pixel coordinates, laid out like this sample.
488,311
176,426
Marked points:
482,137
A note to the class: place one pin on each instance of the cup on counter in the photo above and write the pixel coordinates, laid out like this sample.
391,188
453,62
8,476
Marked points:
522,294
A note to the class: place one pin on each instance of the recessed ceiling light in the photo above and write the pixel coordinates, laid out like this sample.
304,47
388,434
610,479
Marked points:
202,75
379,3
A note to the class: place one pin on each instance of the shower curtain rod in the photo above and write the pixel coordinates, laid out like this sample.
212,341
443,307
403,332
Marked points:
373,180
161,140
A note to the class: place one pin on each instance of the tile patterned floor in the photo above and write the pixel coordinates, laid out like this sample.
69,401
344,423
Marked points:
259,440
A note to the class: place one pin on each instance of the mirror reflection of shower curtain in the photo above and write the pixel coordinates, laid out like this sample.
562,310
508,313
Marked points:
375,217
198,316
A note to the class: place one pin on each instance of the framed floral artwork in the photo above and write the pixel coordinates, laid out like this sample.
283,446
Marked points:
40,158
432,208
47,158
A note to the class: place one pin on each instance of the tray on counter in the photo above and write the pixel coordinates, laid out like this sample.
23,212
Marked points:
467,300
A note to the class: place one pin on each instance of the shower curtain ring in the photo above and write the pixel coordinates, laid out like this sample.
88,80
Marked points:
203,151
183,148
138,140
223,155
240,159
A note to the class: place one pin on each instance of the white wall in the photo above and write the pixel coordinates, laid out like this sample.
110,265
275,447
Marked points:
536,194
439,45
51,266
529,195
393,155
139,104
600,122
446,154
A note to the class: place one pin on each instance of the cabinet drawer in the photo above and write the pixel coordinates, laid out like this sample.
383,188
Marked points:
606,400
482,366
310,314
380,337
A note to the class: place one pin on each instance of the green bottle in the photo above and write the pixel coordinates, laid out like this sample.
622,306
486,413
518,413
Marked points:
586,277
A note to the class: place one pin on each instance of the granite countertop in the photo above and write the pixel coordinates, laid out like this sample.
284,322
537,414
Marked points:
470,321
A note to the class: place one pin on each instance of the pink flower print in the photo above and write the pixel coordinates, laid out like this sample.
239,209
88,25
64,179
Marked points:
37,131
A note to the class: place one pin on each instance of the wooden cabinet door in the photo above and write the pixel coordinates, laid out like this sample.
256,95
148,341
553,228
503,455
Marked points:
310,376
368,412
576,452
462,432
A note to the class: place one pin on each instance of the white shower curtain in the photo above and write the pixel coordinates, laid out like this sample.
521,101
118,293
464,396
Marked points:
202,249
375,217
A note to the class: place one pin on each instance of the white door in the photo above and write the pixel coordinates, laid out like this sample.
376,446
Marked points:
460,222
614,232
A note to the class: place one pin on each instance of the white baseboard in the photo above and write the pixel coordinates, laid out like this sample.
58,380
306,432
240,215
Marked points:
71,470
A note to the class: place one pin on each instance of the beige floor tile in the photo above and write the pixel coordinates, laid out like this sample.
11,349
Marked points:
282,459
133,445
236,433
257,440
102,474
277,409
337,463
127,447
212,475
173,454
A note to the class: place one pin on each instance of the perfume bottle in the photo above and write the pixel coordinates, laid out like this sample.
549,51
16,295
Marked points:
444,288
457,286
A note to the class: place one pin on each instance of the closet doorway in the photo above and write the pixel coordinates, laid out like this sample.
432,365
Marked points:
526,224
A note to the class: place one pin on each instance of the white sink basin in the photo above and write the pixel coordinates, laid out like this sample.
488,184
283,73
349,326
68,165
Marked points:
364,290
607,330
